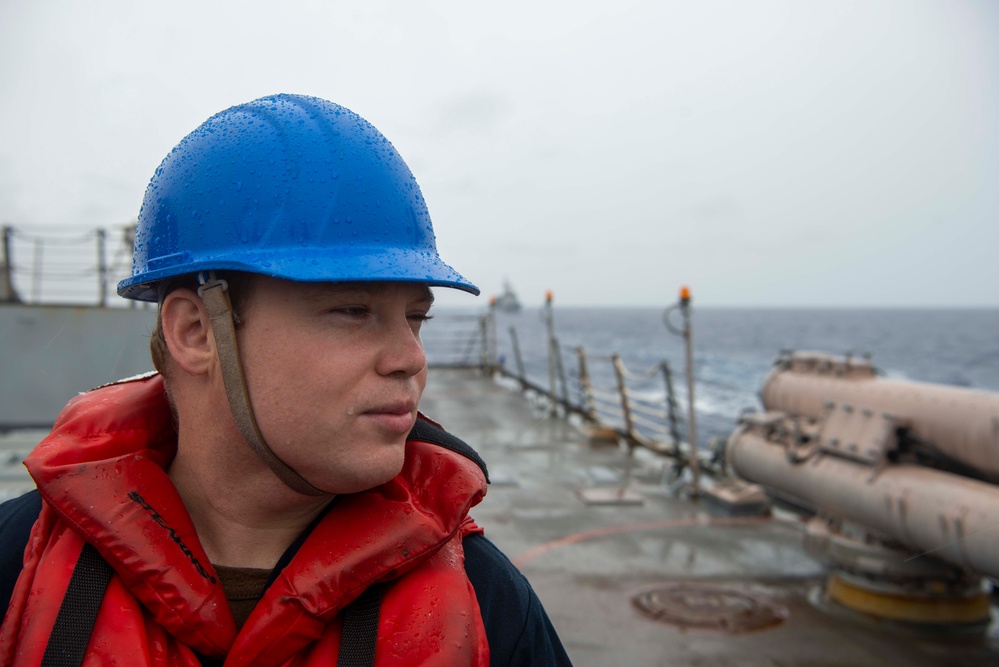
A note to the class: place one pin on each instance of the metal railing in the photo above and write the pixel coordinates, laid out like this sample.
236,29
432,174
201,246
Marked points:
638,408
78,267
64,265
631,415
460,340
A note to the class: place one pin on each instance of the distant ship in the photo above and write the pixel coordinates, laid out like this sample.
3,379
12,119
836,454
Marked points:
508,301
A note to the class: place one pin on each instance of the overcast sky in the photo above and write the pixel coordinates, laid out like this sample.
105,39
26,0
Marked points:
798,153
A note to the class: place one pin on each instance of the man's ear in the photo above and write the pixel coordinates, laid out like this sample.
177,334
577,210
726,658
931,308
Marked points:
187,330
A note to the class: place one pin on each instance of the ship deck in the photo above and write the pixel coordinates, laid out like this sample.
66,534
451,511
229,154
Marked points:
709,577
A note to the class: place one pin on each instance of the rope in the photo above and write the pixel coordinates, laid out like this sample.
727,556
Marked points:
638,377
53,236
20,270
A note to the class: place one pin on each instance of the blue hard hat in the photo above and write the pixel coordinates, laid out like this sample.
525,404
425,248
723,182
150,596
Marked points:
287,186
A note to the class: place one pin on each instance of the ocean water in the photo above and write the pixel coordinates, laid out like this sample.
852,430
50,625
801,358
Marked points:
734,349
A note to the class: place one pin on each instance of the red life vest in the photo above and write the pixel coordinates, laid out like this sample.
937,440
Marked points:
101,473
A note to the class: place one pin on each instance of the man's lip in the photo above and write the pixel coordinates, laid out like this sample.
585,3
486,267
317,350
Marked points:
396,419
398,408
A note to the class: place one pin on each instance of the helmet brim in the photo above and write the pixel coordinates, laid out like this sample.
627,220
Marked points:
356,264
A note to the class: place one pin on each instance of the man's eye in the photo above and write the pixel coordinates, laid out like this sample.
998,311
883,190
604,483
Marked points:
350,311
421,317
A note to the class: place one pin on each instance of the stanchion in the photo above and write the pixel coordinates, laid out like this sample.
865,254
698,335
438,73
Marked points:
683,305
549,316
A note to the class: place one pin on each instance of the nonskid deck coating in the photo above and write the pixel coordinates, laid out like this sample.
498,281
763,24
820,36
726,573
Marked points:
587,563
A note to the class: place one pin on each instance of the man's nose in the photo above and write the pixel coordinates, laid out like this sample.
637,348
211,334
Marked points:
402,352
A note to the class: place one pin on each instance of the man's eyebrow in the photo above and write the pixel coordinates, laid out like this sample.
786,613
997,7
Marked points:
319,291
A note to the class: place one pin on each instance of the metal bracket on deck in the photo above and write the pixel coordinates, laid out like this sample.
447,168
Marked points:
857,433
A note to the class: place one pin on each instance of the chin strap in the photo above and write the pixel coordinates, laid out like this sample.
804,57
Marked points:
214,294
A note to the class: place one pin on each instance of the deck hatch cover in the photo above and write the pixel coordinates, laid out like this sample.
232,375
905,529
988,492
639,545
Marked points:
709,606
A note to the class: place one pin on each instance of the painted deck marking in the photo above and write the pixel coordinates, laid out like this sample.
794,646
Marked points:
665,524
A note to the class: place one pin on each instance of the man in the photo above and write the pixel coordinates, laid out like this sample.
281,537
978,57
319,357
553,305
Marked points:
271,496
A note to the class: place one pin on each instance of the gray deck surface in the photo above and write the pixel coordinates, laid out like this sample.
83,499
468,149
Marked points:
588,562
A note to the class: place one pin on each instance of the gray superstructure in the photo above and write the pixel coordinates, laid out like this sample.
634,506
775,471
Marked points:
51,353
62,329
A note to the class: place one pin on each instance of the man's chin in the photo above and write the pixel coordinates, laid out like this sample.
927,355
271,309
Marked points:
370,478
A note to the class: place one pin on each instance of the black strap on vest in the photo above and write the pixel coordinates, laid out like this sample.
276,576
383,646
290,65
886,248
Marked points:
360,629
67,644
71,633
